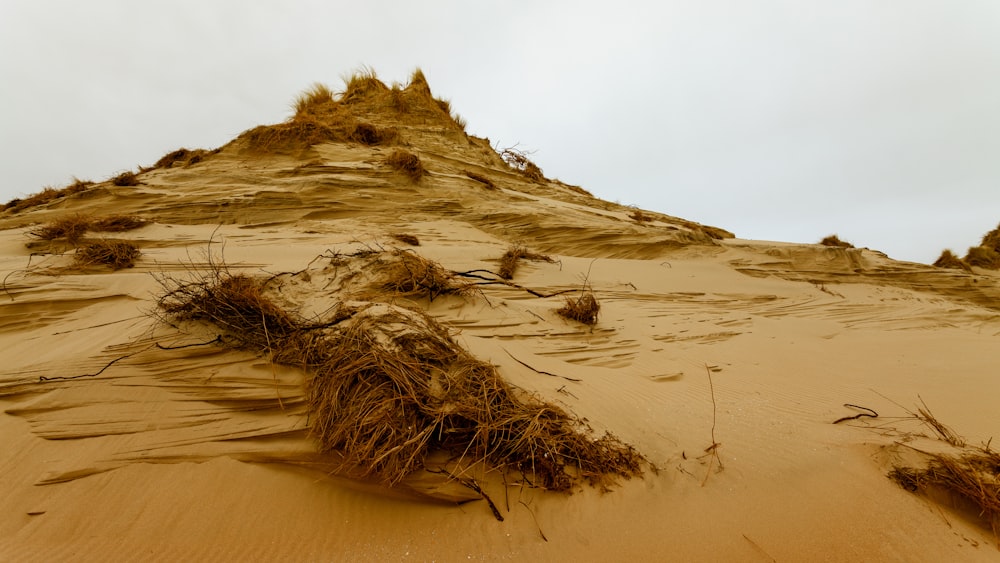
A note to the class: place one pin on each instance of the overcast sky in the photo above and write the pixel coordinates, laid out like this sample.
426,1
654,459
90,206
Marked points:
784,120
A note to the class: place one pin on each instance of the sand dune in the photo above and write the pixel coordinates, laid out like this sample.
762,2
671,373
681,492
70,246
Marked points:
131,436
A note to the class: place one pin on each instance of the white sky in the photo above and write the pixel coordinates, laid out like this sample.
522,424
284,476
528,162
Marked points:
878,120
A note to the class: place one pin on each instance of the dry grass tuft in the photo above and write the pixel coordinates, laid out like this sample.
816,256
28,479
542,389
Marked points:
71,229
362,84
117,223
411,240
313,100
388,386
410,275
991,240
183,157
46,195
481,179
127,178
640,217
834,240
407,163
949,260
115,253
369,134
973,477
512,258
233,302
518,160
983,257
583,309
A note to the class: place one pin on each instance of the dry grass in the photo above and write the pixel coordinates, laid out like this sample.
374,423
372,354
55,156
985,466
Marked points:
314,99
407,274
407,163
512,258
115,253
127,178
388,386
582,309
117,223
70,228
991,240
368,134
183,157
716,233
45,196
640,217
481,179
834,240
404,238
949,260
518,160
983,257
973,477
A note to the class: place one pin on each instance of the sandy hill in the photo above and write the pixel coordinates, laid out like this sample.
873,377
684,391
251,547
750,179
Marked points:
188,406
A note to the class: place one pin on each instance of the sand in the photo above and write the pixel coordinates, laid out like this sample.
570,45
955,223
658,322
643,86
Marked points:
203,453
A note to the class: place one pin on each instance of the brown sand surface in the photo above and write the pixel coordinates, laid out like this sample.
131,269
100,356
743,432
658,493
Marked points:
203,453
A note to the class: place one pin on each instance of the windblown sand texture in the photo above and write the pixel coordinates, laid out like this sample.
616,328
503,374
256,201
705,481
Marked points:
132,434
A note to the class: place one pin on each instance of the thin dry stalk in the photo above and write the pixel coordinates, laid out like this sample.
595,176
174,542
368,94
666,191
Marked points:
713,450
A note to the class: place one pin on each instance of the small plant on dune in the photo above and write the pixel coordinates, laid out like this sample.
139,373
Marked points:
182,157
638,216
368,134
362,84
313,99
972,475
47,195
117,223
388,386
407,163
834,240
582,309
70,228
949,260
411,275
512,259
991,240
481,179
983,257
518,160
115,253
127,178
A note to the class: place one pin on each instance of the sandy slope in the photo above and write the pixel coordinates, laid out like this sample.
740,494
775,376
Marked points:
202,452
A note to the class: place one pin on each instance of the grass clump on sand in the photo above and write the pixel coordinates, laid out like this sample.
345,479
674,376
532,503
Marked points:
948,259
973,477
70,228
388,385
115,253
518,160
127,178
834,240
407,163
983,257
183,157
45,196
512,258
582,309
407,274
638,216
